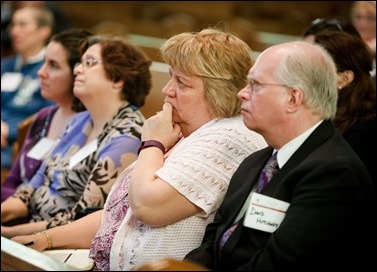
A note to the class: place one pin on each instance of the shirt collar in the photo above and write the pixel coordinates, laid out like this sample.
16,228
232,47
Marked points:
287,150
33,59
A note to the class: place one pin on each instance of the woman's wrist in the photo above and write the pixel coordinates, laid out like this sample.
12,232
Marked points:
47,238
151,143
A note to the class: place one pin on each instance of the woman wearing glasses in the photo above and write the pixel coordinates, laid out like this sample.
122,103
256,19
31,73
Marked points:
112,81
363,15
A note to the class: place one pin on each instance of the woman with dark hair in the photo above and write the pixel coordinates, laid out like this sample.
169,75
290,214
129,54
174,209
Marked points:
356,109
329,24
339,24
57,79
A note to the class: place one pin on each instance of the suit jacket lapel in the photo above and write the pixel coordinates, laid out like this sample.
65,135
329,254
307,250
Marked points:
241,185
324,131
251,169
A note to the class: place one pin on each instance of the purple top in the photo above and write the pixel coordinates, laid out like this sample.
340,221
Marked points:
24,168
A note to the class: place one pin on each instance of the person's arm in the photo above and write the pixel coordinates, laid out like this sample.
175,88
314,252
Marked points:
13,179
23,229
152,200
112,160
16,206
13,208
77,234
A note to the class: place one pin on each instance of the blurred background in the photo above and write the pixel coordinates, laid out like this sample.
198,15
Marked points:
146,23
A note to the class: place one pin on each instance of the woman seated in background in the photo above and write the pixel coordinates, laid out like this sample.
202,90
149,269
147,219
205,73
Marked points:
329,24
336,24
356,109
112,80
161,205
56,85
363,16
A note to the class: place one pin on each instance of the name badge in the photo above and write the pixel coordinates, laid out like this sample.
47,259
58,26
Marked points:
10,81
83,153
41,149
265,213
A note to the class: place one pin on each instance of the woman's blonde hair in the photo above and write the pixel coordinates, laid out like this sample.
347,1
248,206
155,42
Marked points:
221,59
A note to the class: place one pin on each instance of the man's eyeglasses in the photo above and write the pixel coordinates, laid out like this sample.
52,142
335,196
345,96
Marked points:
253,84
88,62
328,22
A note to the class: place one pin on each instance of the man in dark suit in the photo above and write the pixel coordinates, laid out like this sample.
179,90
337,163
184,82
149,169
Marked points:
318,210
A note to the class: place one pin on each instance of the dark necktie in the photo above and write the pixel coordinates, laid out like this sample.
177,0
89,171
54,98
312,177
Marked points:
268,171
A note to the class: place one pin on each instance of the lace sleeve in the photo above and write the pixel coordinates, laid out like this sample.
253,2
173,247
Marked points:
202,165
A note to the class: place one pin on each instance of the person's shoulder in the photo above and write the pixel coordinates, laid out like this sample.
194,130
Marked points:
80,117
236,124
232,130
48,109
135,113
230,123
8,58
7,62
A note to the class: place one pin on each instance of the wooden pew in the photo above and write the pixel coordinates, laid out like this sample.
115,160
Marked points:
155,99
170,264
17,257
21,135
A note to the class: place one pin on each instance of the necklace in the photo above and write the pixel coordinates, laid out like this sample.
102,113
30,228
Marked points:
44,127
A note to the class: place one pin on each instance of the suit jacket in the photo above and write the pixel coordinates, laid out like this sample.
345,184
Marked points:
327,225
362,138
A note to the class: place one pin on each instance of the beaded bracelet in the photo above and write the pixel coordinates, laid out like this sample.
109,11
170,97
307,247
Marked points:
151,143
48,237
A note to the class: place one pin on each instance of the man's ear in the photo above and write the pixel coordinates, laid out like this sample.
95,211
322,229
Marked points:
295,99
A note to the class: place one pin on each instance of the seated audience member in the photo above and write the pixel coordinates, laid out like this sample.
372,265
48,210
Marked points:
363,16
20,86
56,85
329,24
111,80
335,24
161,205
61,21
356,109
313,205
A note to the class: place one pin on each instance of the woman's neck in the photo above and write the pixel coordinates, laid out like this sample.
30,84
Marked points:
60,121
101,115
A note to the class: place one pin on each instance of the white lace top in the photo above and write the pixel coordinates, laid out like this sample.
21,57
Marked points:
200,168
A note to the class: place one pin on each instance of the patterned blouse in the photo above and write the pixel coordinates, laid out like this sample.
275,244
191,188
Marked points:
199,167
24,168
59,190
